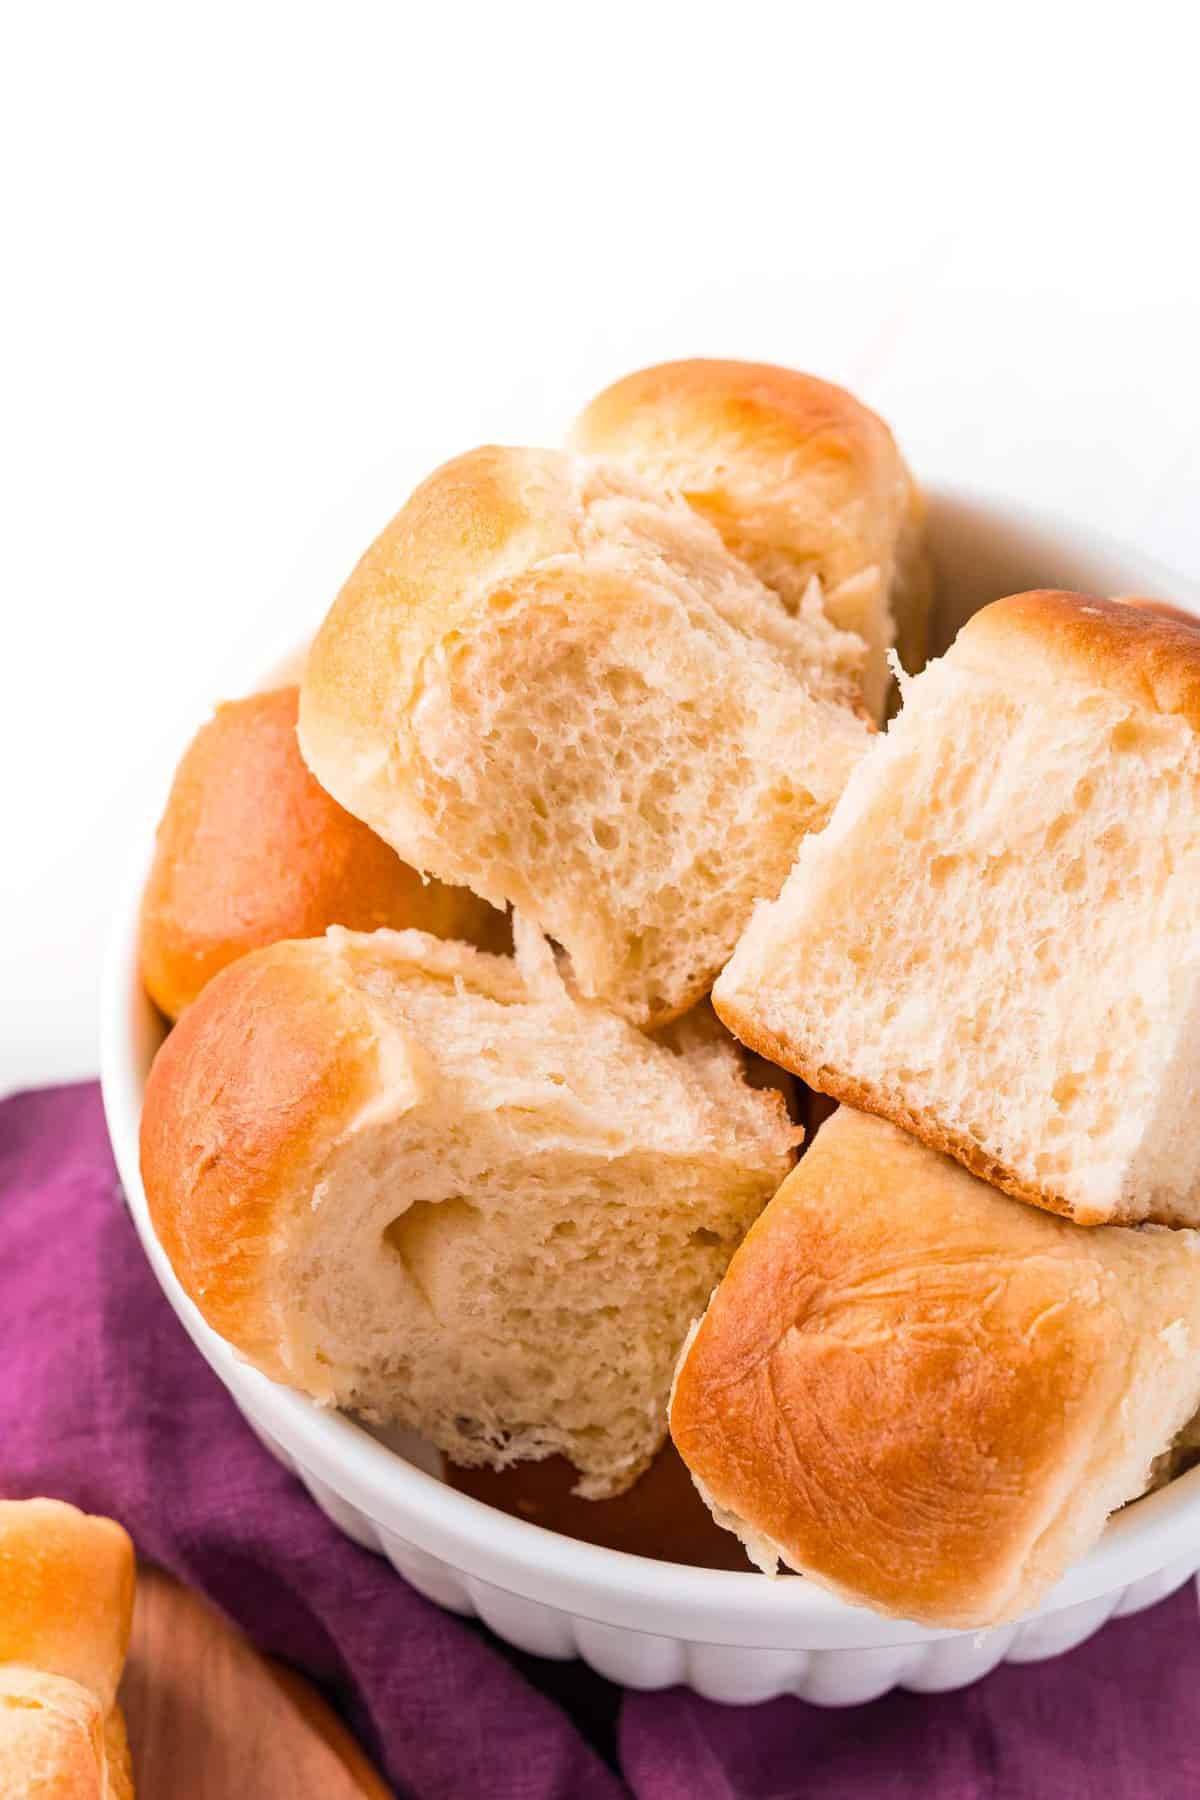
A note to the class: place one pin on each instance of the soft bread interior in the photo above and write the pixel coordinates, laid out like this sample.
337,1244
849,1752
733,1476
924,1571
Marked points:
502,1244
52,1740
799,479
995,942
649,531
637,833
56,1742
624,739
507,1260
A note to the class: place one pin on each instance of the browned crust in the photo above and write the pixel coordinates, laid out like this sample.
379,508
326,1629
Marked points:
744,441
120,1762
244,1099
866,1097
66,1593
900,1368
414,584
252,850
1145,652
1165,608
778,406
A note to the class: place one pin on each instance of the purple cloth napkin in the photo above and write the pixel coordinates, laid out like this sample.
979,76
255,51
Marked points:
103,1401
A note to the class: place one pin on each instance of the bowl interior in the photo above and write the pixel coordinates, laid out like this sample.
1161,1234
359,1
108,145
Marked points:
982,549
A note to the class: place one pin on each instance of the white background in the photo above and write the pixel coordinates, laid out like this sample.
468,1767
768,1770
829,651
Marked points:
266,264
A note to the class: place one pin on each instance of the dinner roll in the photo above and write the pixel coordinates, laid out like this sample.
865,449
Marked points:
429,1185
554,685
800,479
925,1396
251,850
996,942
66,1608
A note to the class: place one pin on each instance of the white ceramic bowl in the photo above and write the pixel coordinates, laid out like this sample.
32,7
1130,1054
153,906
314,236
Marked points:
734,1637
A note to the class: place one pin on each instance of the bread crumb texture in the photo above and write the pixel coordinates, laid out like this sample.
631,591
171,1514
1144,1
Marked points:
996,942
553,684
433,1187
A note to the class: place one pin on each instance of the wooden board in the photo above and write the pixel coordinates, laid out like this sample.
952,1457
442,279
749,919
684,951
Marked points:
210,1719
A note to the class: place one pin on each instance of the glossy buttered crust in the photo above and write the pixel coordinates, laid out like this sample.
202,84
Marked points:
251,849
925,1396
66,1609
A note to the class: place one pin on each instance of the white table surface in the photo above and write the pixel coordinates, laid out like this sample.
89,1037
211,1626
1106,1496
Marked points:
268,264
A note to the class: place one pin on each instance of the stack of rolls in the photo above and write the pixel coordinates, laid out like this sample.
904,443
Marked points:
66,1609
968,1327
628,696
480,1195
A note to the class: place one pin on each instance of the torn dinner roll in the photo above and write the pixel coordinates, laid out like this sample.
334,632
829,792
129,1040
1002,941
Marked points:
996,941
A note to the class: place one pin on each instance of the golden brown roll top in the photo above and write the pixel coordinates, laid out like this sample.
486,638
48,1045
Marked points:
66,1593
1145,651
1164,608
927,1396
245,1099
66,1608
799,478
252,850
